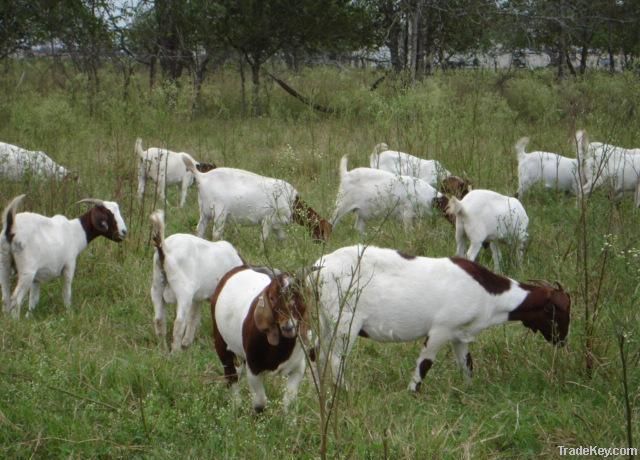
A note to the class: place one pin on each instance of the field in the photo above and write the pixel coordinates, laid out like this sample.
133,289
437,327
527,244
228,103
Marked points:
92,381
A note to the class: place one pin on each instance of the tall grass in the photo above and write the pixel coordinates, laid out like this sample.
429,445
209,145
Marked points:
91,382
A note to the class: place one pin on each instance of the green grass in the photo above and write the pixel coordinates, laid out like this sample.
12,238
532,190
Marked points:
92,382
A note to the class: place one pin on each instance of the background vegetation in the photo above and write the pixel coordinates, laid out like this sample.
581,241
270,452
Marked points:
81,79
92,382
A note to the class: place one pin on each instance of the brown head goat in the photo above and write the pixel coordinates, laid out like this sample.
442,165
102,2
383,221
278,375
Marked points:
258,318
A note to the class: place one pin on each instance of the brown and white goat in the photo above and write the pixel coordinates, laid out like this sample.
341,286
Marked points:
257,318
389,296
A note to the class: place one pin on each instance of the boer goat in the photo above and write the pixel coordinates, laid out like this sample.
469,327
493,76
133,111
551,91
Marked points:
404,164
41,248
16,163
487,216
247,197
186,269
165,167
373,193
553,170
389,296
258,318
608,164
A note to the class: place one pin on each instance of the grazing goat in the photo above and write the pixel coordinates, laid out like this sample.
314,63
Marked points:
373,193
250,198
404,164
608,164
389,296
186,269
16,163
553,170
484,215
258,319
165,167
41,248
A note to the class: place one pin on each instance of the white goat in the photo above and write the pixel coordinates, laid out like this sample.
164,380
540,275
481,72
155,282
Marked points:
404,164
484,215
608,164
553,170
373,193
16,163
165,167
389,296
258,319
247,197
41,248
186,269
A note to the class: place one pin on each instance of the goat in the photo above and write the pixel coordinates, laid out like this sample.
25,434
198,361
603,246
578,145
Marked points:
553,170
452,185
484,215
609,164
16,163
41,248
186,269
165,167
404,164
389,296
373,192
250,198
258,319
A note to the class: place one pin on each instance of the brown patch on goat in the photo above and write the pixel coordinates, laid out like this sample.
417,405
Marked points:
99,221
545,309
261,354
308,217
226,356
205,167
492,283
456,186
404,255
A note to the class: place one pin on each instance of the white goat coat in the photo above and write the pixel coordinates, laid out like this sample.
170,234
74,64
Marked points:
246,198
372,193
553,170
391,298
404,164
616,166
16,162
165,168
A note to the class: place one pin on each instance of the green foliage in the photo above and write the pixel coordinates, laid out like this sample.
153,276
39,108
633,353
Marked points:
92,382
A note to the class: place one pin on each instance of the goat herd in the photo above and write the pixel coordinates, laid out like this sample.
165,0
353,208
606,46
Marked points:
261,315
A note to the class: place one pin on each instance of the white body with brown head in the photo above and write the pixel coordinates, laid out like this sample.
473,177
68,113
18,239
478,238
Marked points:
389,296
257,319
42,248
249,198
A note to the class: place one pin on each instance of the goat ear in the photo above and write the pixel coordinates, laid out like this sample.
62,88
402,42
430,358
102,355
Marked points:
263,317
99,221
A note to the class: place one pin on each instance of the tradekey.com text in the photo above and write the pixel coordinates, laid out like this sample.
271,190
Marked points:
596,451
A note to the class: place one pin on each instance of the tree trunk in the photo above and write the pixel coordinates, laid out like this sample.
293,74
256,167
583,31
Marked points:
612,64
255,79
394,46
413,33
584,53
243,91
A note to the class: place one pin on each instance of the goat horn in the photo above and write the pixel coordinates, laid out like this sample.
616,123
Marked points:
93,201
544,283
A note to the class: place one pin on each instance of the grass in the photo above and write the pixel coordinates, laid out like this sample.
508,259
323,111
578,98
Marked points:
92,382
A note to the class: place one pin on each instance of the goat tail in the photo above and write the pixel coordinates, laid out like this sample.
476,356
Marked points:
454,207
343,167
138,148
8,217
520,147
157,233
190,165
